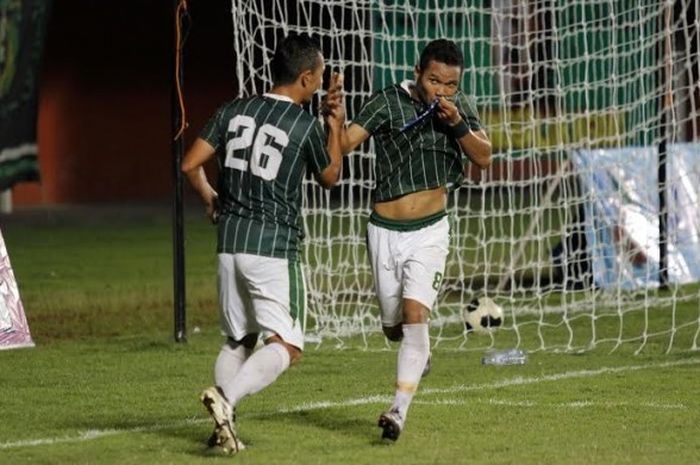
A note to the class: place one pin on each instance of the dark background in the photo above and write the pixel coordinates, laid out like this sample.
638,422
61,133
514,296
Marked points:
104,128
105,97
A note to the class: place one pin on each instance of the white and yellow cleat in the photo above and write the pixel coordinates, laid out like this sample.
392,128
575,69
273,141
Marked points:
224,435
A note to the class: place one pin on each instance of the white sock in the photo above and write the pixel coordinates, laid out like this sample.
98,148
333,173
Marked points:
231,358
259,371
413,355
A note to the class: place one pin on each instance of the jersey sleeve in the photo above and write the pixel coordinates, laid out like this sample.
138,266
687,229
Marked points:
373,114
467,108
212,132
315,149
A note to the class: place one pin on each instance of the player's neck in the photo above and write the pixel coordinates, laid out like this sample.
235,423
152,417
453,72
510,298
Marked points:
288,91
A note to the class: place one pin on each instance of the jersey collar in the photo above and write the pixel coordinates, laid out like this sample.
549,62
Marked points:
406,85
282,98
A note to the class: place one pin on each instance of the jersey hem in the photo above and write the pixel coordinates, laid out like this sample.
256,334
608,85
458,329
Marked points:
405,225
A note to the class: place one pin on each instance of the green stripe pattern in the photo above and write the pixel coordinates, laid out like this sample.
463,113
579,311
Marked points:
424,157
260,202
297,293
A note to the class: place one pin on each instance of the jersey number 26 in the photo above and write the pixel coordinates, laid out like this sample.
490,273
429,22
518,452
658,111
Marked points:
265,157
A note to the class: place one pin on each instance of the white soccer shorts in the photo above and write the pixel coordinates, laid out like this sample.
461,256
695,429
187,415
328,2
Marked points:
262,295
407,265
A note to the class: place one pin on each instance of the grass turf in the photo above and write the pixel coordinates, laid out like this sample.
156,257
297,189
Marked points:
106,384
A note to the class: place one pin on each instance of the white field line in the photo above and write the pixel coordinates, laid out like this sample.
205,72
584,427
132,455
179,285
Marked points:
562,405
91,434
518,381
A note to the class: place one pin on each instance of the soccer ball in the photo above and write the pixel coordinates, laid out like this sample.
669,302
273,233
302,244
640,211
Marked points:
482,315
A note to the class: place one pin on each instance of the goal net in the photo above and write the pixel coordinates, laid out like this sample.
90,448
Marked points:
585,229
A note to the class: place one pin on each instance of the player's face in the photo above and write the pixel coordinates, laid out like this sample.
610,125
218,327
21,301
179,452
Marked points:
437,80
313,79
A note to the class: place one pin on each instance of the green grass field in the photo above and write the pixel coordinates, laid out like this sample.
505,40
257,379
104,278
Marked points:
106,384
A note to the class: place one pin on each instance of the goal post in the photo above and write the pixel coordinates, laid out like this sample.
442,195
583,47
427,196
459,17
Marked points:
570,93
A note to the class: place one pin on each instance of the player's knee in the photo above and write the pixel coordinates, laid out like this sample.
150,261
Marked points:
293,351
415,312
294,355
393,333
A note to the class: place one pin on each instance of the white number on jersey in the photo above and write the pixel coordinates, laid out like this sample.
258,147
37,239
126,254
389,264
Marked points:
265,158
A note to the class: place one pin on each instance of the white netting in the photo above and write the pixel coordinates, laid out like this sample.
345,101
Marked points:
563,229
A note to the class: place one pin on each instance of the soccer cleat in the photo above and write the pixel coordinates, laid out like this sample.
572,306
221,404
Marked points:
391,423
213,440
224,434
426,369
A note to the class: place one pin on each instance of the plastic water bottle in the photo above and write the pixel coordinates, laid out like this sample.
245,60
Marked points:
504,357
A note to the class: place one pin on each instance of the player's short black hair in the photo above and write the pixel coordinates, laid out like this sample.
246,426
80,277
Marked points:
294,55
443,51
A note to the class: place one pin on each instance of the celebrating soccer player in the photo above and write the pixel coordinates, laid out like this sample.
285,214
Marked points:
264,145
426,132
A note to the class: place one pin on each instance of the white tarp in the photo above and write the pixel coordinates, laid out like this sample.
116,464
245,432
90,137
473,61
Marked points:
622,214
14,329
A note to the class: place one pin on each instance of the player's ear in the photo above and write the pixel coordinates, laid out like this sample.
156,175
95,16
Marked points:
305,78
416,70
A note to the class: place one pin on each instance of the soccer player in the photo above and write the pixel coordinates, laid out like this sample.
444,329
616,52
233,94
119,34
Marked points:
426,133
264,145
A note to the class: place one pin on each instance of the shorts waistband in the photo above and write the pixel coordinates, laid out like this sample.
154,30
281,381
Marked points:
406,225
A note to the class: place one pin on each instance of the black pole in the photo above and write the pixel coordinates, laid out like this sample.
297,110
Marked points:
177,148
663,214
666,102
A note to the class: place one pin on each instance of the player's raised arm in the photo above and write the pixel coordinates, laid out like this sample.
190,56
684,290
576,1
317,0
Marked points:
477,146
352,136
333,110
474,143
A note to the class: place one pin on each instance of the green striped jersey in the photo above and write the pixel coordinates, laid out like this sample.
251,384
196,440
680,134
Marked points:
420,158
265,146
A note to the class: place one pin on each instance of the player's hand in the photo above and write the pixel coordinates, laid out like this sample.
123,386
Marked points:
447,111
333,104
212,206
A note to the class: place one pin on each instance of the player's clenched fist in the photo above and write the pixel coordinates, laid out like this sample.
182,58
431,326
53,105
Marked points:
447,111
